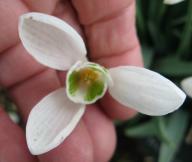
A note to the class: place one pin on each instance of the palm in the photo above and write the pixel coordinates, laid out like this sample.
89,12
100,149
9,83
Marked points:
111,39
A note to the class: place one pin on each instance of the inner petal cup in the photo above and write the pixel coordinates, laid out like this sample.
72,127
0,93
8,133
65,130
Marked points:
86,82
51,121
51,41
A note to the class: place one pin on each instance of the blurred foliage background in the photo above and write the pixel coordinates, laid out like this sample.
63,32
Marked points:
165,33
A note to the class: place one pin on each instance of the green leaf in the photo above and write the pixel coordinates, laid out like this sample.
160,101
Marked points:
162,132
178,21
140,19
154,33
173,66
159,39
95,89
186,38
153,10
155,128
148,55
175,129
142,130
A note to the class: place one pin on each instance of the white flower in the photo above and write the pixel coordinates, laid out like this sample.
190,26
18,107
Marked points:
55,44
186,85
171,2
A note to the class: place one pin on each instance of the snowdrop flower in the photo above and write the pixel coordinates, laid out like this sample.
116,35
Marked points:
186,85
171,2
55,44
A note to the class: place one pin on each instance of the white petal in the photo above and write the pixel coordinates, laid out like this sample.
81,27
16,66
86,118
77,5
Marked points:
186,85
51,41
171,2
51,121
146,91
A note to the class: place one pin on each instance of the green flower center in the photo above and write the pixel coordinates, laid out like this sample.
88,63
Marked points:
87,84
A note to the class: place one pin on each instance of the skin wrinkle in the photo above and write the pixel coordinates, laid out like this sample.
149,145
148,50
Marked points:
8,48
38,86
109,17
121,59
9,62
86,9
21,82
115,34
119,54
44,6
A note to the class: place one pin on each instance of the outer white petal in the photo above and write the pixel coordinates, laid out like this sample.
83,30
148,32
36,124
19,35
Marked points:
51,41
146,91
186,85
171,2
51,121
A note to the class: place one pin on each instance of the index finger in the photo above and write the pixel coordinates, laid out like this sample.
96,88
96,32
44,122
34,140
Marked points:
112,40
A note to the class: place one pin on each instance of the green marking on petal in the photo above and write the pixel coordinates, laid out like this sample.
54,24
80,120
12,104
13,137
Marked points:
94,90
86,82
73,82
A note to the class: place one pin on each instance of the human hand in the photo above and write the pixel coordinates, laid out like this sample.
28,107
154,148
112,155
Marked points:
110,35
